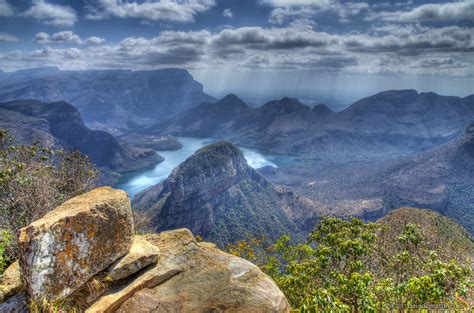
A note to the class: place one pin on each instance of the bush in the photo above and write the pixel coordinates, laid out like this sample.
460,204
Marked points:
34,180
343,267
5,238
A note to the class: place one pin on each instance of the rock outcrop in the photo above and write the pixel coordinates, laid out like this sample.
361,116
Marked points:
64,249
82,254
219,197
210,281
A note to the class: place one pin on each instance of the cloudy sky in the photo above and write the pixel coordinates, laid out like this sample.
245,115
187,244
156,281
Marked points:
295,47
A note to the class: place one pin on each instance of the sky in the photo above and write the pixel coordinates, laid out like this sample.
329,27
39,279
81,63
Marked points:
261,48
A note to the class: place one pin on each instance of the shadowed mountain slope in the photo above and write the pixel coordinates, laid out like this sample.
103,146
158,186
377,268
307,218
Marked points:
217,195
441,179
60,124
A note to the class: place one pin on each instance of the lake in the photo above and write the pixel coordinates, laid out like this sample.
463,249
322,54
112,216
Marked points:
134,182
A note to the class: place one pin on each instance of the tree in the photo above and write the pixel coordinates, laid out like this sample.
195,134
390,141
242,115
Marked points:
344,267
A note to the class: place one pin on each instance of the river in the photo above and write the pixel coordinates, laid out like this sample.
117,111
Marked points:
134,182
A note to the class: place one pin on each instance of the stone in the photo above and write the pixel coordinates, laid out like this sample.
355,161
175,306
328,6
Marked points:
144,301
64,249
211,281
16,304
141,254
113,299
11,283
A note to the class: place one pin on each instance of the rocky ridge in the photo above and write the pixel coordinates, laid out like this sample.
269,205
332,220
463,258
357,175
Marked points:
84,255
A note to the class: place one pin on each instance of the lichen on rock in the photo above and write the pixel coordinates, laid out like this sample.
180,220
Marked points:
70,244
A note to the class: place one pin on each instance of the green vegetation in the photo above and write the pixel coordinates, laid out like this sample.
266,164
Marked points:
5,239
345,267
34,180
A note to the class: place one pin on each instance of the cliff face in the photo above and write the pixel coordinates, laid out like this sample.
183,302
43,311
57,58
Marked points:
61,124
83,255
218,196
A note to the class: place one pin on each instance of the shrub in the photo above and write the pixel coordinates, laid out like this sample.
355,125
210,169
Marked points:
343,267
5,238
34,180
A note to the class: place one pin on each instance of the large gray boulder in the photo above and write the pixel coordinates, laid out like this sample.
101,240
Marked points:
65,248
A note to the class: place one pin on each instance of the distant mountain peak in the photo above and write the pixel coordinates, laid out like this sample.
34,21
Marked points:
213,155
410,92
285,105
232,101
322,109
288,100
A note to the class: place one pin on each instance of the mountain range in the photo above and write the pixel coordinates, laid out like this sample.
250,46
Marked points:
112,100
392,149
397,120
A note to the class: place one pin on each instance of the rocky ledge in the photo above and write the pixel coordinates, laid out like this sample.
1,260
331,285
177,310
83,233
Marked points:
84,255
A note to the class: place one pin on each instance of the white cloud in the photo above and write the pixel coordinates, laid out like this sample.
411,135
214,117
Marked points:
432,12
6,9
411,49
227,13
154,10
8,38
95,40
285,11
67,37
52,14
291,3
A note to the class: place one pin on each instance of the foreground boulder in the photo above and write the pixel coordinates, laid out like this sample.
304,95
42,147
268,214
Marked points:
65,248
209,281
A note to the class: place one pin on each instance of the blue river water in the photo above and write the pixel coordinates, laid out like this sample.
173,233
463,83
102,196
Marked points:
134,182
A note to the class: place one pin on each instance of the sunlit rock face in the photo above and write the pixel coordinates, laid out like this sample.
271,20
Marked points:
209,281
65,248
